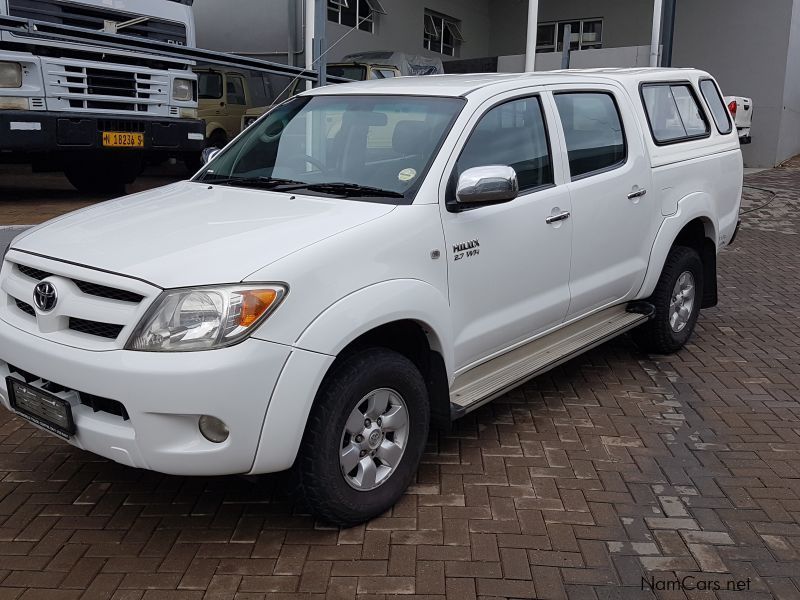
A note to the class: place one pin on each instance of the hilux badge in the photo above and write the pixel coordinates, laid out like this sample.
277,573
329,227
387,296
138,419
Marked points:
45,296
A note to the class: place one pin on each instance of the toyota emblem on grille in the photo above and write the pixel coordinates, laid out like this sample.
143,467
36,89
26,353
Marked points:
45,296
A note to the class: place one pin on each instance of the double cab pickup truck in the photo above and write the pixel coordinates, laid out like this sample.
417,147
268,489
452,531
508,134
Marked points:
367,261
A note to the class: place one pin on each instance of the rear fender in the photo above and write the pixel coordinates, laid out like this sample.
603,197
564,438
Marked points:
694,206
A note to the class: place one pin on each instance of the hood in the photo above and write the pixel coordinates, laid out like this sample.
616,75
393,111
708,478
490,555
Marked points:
189,234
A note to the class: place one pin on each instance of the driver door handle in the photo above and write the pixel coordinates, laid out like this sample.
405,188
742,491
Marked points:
639,194
556,218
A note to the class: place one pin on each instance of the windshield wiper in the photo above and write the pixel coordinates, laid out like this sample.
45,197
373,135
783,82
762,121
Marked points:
344,189
267,182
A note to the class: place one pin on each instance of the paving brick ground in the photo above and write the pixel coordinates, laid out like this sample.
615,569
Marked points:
616,467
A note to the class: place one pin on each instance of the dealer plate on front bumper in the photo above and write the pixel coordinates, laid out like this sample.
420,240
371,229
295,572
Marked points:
40,407
114,139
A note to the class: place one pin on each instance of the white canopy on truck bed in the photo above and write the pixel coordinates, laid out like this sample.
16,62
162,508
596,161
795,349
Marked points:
409,64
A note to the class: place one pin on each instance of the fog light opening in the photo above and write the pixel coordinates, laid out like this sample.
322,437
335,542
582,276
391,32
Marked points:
213,429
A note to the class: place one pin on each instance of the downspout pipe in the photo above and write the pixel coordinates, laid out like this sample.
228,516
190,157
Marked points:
320,43
533,28
668,32
655,39
291,41
308,33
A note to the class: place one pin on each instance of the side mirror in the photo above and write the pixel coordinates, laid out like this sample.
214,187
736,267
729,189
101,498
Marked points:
208,155
485,185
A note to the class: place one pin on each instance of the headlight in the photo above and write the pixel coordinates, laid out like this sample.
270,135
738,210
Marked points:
183,90
249,121
188,320
10,75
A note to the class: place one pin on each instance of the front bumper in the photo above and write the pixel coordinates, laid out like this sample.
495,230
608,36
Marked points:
164,394
47,132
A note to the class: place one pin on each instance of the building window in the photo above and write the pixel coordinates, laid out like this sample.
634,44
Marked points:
442,34
586,34
355,13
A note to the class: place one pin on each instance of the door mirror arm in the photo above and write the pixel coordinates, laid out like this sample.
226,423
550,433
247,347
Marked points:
208,155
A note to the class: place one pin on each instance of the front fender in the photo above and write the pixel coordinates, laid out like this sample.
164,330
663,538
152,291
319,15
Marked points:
379,304
694,206
327,335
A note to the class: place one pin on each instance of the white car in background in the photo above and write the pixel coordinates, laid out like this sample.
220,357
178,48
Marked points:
741,109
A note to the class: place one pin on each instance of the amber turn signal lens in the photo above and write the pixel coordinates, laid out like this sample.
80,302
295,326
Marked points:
254,304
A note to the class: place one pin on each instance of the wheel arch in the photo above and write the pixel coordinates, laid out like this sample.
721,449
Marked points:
418,343
213,127
699,234
693,226
383,315
406,315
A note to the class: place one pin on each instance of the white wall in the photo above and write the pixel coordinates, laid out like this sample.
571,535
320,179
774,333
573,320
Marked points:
261,27
745,45
631,56
789,135
243,26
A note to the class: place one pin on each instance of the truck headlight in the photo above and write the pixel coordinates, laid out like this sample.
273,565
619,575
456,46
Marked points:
185,320
183,90
10,75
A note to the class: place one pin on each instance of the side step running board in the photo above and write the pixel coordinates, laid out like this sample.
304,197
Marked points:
486,382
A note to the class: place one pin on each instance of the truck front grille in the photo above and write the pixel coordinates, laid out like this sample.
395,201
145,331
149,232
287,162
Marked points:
121,125
93,310
105,89
103,330
94,18
92,289
25,307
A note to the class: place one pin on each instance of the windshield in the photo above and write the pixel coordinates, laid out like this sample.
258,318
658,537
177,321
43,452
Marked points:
354,72
367,147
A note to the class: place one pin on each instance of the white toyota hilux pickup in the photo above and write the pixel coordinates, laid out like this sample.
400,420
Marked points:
368,260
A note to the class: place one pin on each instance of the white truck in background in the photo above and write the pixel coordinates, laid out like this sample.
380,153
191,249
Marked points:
96,112
741,110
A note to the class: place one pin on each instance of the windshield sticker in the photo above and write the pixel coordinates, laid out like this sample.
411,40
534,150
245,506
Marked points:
407,174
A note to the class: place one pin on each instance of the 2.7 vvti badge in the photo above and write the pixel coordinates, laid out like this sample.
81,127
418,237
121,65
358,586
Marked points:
302,303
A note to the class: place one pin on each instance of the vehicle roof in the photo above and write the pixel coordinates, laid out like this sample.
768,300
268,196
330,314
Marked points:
463,85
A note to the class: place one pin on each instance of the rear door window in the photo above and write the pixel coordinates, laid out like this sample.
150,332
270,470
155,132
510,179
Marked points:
593,131
673,112
719,111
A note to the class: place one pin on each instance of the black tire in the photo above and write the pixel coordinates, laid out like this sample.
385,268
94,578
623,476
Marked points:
657,336
103,175
218,139
317,471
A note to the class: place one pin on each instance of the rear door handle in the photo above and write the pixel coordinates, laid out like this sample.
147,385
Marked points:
639,194
556,218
